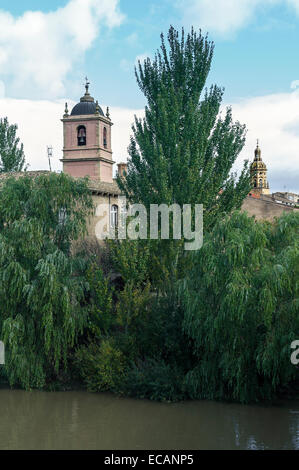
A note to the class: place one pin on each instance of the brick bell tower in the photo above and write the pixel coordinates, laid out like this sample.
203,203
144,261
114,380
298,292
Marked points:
87,140
258,173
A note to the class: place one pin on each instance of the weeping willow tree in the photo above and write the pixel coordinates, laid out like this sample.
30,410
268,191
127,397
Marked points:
241,309
40,279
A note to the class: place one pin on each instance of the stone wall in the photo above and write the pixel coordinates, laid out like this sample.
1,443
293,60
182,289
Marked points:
97,222
264,209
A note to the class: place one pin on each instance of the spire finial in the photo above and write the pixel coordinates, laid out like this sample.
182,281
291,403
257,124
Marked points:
108,113
97,108
87,96
257,151
66,111
87,83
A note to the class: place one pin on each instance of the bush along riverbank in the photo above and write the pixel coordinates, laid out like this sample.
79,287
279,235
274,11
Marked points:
222,332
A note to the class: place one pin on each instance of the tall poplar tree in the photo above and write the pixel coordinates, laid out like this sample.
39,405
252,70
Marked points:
183,150
12,157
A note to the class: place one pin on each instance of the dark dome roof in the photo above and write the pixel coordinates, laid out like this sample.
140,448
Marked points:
86,107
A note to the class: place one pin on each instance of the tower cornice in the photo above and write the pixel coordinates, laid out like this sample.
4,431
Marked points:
87,159
87,118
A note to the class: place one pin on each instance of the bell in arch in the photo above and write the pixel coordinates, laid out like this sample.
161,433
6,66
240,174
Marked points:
81,136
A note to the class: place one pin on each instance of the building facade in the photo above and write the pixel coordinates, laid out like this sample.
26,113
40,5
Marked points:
260,202
87,151
87,140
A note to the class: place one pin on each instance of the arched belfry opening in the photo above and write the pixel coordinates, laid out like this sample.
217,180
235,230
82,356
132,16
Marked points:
81,136
105,137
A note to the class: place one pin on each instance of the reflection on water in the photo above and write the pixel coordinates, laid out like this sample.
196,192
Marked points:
80,420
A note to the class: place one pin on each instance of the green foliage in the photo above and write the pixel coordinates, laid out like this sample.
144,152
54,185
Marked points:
41,282
100,307
183,150
217,323
101,366
144,318
12,156
154,380
223,332
241,309
144,331
132,304
131,259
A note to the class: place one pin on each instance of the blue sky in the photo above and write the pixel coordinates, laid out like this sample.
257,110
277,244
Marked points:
259,58
47,48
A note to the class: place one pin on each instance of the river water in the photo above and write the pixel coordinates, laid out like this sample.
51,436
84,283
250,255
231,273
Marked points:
81,420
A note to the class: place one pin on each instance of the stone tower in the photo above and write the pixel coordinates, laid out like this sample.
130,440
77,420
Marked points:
87,140
258,172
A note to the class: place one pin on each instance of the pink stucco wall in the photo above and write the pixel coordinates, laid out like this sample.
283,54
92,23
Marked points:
71,134
94,148
81,169
106,172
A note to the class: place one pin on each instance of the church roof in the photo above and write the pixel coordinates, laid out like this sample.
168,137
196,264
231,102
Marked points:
19,174
258,163
87,105
84,108
96,186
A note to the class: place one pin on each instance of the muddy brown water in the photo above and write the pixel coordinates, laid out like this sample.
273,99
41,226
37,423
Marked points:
81,420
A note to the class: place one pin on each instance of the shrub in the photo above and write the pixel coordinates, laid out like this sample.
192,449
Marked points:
101,366
155,380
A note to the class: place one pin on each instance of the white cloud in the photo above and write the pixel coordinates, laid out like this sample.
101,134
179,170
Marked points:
39,125
123,119
295,4
2,89
128,65
132,39
225,17
37,50
273,119
220,16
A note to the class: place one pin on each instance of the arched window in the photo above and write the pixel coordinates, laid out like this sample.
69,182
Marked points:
62,216
81,135
114,216
105,137
261,183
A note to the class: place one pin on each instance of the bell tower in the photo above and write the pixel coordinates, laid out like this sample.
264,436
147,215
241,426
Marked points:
87,140
258,172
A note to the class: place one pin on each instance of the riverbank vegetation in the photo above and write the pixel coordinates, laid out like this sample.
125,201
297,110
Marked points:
41,280
222,332
146,318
